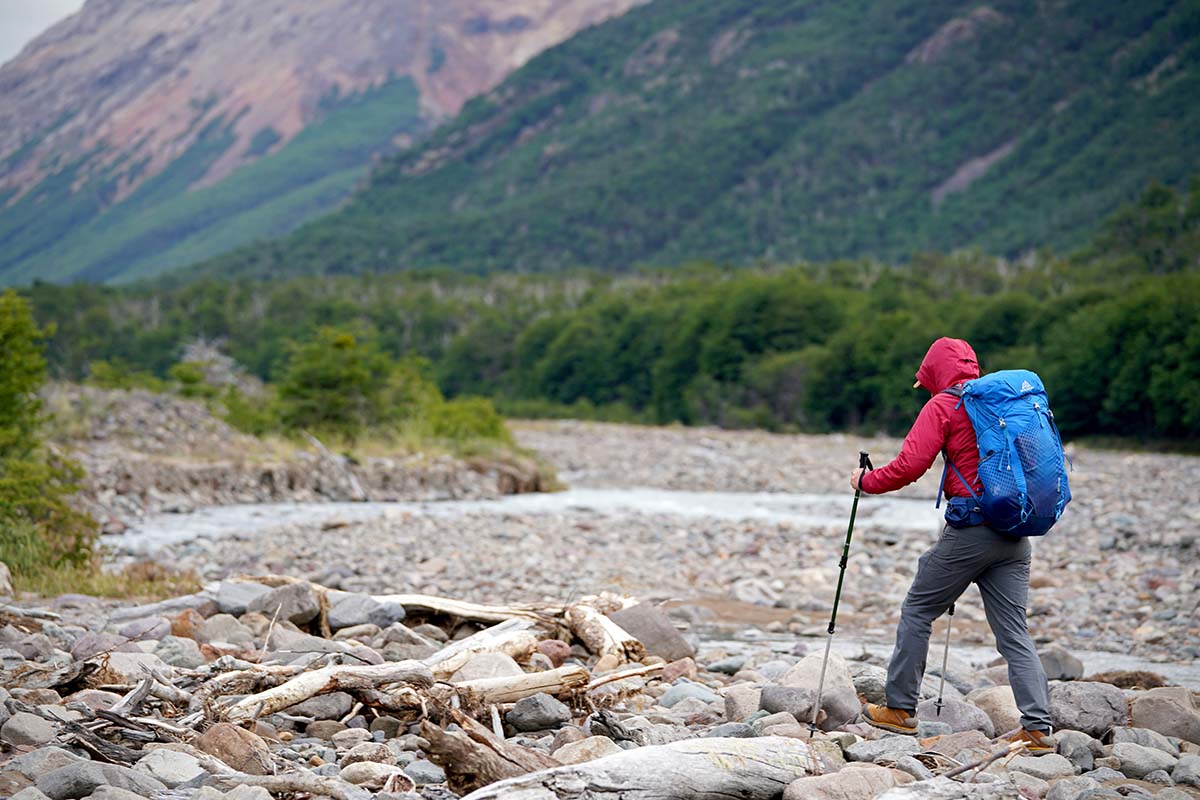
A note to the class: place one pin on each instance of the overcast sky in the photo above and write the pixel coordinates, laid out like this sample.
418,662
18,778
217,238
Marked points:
21,20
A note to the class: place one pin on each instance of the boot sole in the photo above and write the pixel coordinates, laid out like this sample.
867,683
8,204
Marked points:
892,728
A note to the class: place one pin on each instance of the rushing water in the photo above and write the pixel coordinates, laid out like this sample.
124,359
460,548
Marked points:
162,530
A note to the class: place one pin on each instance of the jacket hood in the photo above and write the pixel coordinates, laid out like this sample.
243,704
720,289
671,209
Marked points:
949,361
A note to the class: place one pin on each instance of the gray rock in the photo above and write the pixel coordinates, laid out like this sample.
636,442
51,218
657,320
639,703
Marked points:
1060,665
958,714
887,746
146,629
92,644
1137,761
1070,788
27,729
235,597
31,793
1000,706
911,766
839,701
1047,767
869,681
42,760
1103,774
425,772
1078,748
728,666
225,628
765,721
774,669
488,665
201,602
295,602
731,730
1029,785
1159,776
179,652
926,729
654,630
170,767
334,705
248,793
941,788
1145,737
1087,706
350,737
794,700
539,712
80,780
741,701
1169,710
681,691
1187,771
349,610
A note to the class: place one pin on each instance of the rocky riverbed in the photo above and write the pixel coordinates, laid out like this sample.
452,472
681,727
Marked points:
186,698
1120,573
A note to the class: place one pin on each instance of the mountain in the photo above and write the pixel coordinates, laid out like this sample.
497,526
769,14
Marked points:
738,131
138,135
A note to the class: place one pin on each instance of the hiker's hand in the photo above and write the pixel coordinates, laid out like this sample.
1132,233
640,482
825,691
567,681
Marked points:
855,477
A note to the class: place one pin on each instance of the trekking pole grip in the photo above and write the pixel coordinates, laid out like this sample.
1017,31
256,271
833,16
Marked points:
864,460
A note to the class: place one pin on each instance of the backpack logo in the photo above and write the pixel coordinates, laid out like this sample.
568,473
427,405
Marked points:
1026,386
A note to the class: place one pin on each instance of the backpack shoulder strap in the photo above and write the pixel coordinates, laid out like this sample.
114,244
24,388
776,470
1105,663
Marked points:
957,391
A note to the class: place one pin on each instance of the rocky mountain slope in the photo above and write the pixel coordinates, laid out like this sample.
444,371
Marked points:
127,129
740,131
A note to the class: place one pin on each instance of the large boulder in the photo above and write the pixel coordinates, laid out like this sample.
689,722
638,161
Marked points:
295,602
654,629
29,730
839,701
1087,706
959,715
999,705
1138,761
860,782
237,747
235,597
1170,710
80,780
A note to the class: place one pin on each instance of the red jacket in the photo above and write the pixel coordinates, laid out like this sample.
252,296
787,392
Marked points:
939,426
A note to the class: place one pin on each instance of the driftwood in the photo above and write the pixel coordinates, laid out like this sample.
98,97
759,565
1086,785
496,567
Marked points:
601,635
696,769
287,783
486,691
649,671
511,637
328,679
474,612
476,757
242,679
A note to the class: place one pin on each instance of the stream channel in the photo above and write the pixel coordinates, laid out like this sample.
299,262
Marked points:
156,532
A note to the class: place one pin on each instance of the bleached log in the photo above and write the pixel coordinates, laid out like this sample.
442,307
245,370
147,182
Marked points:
485,691
476,757
251,678
601,635
695,769
546,615
328,679
511,637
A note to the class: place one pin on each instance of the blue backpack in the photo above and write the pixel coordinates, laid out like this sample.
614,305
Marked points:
1021,458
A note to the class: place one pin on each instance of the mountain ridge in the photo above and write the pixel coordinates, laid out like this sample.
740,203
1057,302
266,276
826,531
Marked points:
737,132
118,94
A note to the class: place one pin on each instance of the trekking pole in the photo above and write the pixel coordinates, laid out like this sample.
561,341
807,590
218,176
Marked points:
864,462
945,657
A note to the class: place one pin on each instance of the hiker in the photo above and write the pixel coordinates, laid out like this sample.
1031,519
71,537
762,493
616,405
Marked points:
996,562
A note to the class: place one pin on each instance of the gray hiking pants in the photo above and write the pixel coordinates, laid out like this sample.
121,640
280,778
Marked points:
1000,566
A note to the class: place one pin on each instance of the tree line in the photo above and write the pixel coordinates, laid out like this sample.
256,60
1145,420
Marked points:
1113,329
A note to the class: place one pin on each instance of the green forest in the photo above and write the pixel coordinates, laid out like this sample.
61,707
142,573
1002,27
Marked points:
1114,328
747,132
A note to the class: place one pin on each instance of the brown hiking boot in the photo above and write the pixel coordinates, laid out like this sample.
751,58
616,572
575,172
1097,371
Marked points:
1036,742
890,719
